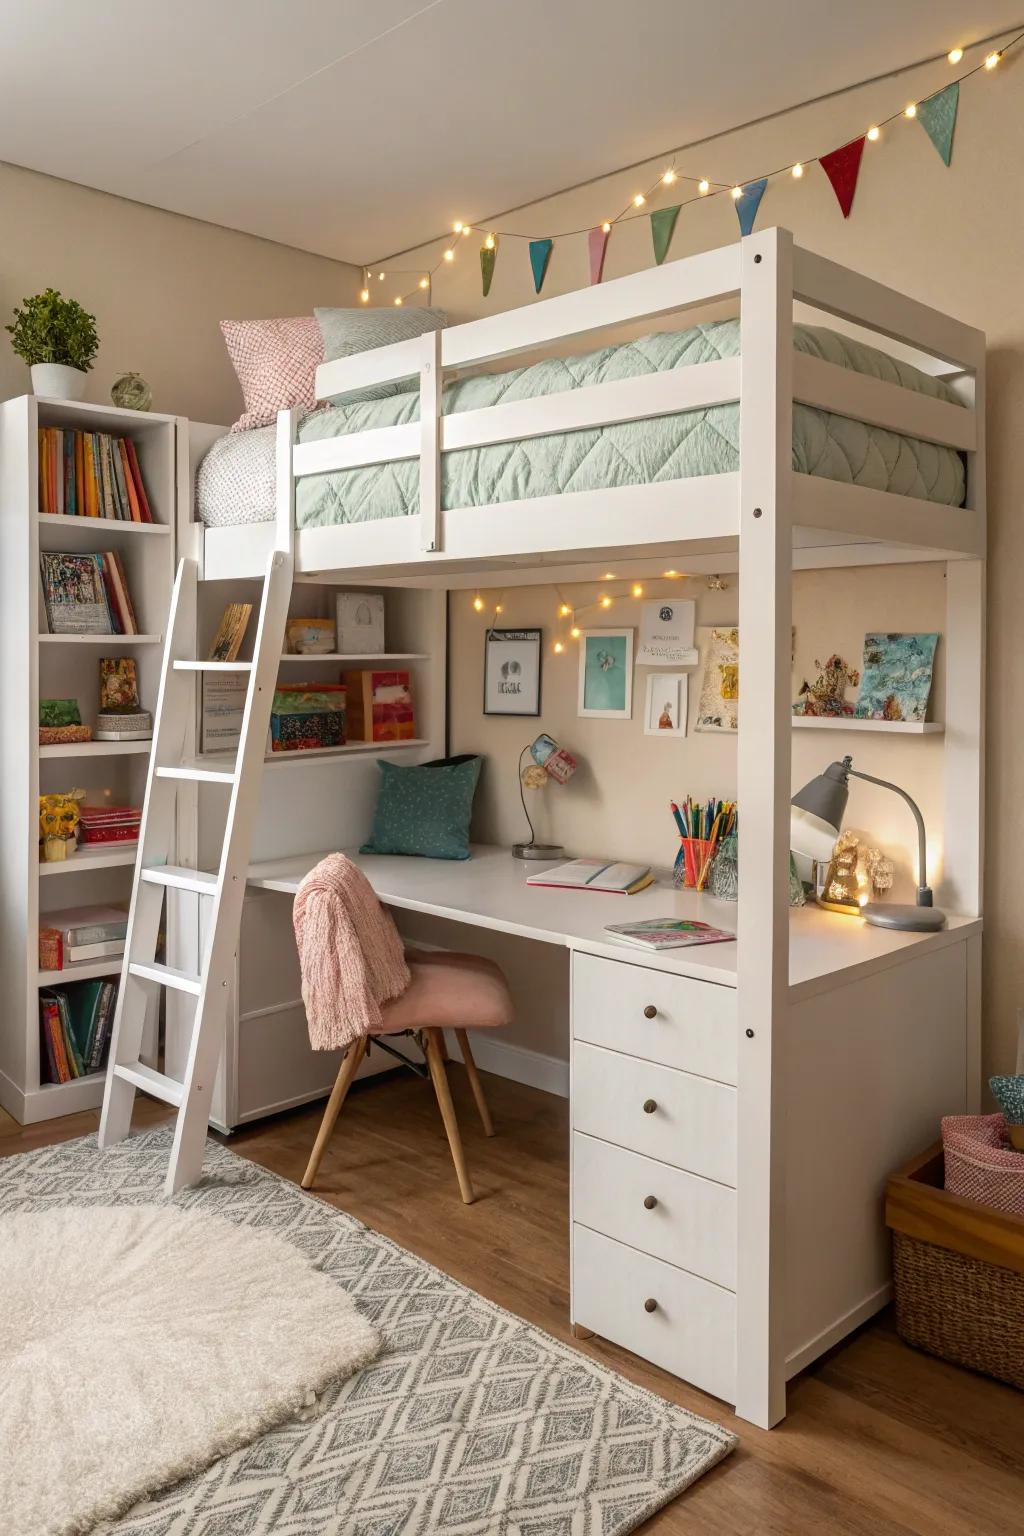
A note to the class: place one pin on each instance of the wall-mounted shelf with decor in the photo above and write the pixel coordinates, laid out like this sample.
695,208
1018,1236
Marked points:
885,727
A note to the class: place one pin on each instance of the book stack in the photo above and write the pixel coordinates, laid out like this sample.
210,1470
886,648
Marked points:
77,934
86,594
75,1024
91,474
100,824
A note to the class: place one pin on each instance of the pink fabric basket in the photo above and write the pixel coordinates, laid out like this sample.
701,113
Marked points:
980,1163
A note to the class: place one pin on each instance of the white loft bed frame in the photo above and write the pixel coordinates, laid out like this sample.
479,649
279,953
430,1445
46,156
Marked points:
767,518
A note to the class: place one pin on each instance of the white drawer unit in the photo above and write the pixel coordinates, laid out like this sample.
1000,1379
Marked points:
685,1325
655,1015
676,1216
687,1121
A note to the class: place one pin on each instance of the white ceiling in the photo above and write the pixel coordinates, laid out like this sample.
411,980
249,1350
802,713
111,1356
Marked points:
358,128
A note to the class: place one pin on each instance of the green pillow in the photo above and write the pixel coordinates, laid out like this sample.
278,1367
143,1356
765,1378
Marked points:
347,331
425,811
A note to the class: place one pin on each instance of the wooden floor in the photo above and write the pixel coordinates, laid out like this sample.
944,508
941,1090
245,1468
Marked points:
879,1441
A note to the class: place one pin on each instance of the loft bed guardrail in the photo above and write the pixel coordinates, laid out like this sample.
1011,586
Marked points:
700,512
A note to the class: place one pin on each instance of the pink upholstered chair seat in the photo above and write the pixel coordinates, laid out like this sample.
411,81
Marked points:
449,991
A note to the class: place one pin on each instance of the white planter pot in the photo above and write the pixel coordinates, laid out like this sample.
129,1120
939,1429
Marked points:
57,381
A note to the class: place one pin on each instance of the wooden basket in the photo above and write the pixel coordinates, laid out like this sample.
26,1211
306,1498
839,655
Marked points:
958,1272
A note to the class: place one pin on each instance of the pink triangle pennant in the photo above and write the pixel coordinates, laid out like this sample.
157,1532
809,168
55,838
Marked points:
842,167
597,244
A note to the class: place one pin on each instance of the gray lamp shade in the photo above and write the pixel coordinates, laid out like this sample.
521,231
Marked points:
817,813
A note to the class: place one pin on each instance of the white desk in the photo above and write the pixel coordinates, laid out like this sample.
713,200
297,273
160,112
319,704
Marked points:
489,890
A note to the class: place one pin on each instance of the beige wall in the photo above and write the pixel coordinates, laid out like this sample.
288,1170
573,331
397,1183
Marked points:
954,239
157,283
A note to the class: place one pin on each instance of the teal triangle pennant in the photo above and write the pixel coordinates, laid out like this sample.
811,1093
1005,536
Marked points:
937,116
663,223
748,202
540,255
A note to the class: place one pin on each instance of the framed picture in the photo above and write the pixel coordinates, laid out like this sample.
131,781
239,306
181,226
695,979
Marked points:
512,671
666,634
720,686
667,699
606,674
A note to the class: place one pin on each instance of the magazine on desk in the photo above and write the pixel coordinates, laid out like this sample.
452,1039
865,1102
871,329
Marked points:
659,933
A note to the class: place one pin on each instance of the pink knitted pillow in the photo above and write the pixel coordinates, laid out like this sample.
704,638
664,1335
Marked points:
276,363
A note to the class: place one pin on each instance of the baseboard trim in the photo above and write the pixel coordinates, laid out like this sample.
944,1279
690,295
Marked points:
533,1068
801,1358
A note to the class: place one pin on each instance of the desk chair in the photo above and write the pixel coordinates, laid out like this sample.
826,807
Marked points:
447,991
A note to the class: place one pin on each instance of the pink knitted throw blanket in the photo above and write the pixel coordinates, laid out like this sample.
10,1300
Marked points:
350,954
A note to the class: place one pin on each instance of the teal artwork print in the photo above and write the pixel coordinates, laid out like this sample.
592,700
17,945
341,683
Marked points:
606,672
896,677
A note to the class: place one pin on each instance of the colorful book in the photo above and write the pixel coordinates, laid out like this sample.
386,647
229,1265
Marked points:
227,642
129,482
140,488
70,488
74,594
660,933
89,924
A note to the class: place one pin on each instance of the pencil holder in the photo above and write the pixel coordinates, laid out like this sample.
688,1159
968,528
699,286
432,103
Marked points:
691,859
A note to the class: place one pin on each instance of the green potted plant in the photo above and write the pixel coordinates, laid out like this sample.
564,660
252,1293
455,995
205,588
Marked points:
57,338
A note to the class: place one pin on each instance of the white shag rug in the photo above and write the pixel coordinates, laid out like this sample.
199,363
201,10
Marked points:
140,1343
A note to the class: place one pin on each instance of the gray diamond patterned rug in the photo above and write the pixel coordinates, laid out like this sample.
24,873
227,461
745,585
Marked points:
470,1423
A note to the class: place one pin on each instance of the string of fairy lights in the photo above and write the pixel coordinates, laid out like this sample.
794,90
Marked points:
571,616
706,189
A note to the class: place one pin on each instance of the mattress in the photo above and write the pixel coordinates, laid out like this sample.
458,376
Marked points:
235,482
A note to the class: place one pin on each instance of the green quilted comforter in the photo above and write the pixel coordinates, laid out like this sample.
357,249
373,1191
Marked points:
701,442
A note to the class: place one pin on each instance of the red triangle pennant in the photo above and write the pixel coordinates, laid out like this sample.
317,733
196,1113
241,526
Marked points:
842,167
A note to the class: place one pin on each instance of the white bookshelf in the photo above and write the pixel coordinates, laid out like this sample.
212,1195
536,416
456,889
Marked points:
40,666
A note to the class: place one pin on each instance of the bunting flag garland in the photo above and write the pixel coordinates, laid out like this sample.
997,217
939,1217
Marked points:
842,167
663,223
937,117
748,202
488,255
597,245
540,255
937,114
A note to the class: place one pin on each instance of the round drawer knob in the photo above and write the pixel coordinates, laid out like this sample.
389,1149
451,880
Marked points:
650,1305
650,1105
650,1012
650,1201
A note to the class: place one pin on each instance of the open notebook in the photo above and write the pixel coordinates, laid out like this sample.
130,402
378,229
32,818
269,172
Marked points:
595,875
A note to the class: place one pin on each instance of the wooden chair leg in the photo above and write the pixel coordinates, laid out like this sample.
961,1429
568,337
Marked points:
474,1081
346,1072
439,1078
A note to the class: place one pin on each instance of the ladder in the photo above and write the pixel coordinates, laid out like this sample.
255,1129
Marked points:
155,874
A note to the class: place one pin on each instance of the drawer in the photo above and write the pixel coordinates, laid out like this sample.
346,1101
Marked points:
693,1025
692,1124
691,1330
691,1224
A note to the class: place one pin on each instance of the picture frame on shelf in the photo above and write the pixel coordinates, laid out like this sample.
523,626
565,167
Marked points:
512,671
665,710
606,674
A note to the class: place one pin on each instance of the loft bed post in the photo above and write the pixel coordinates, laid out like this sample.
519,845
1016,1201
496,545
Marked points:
431,383
284,500
763,792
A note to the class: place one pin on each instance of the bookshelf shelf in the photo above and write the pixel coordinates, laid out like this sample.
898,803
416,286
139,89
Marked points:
885,727
378,658
107,640
96,749
349,748
57,531
102,856
85,970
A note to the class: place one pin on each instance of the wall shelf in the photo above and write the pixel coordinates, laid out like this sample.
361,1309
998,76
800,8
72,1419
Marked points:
885,727
56,530
97,749
348,748
108,640
85,970
379,658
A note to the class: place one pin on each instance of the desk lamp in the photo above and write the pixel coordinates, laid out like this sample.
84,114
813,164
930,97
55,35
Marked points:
548,761
815,822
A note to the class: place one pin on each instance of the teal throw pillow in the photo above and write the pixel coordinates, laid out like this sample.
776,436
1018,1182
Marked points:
425,811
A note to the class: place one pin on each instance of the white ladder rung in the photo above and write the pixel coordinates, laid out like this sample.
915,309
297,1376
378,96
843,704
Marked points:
157,1083
167,976
198,770
213,666
181,879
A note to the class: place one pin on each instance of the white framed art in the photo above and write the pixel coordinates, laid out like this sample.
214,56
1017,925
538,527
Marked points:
666,706
606,674
512,661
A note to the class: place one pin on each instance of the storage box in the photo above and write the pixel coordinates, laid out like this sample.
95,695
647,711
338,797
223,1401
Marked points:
308,717
360,623
958,1272
380,706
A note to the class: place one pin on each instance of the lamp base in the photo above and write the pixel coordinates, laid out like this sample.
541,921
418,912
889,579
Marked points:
909,919
539,851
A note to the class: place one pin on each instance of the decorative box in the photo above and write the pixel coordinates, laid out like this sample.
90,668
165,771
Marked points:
136,726
63,735
360,623
308,716
310,637
380,706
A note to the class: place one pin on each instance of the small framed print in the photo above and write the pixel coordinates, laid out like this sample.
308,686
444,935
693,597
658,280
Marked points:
512,671
606,674
667,699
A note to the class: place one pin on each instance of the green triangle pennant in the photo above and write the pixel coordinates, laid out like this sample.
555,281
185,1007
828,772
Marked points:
540,255
663,223
488,255
937,116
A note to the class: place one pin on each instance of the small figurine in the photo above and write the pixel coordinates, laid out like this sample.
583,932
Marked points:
130,392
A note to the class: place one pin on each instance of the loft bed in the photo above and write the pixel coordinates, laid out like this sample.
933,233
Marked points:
885,1037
